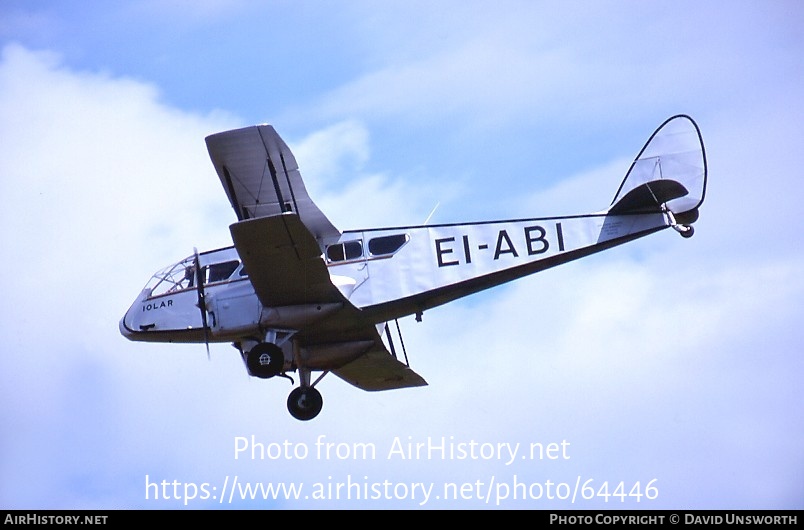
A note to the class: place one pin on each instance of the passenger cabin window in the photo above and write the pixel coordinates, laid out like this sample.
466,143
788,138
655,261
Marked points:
218,272
345,251
381,246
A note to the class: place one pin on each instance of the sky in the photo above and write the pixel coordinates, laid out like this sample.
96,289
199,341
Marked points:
662,374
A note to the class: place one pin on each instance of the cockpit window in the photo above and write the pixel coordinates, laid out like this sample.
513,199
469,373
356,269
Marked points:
384,245
182,275
345,251
173,278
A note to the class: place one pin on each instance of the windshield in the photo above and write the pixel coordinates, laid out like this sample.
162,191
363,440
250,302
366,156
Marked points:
216,266
173,278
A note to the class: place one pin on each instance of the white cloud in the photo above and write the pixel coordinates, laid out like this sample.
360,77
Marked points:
563,64
329,155
332,162
101,187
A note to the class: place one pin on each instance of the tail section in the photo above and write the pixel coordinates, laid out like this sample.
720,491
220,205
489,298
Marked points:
668,175
435,264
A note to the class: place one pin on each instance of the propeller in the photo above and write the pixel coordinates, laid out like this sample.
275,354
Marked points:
202,303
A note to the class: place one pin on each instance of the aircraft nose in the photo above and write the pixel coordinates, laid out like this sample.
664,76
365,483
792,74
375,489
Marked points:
127,333
125,329
127,325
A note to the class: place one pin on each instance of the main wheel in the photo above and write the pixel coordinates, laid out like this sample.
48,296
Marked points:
265,360
305,403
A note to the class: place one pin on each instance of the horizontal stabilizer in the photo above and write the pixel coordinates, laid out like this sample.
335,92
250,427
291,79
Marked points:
649,197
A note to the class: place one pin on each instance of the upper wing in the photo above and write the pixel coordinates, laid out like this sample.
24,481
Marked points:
261,177
283,262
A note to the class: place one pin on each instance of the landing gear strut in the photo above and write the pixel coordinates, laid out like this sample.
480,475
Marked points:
267,359
684,229
305,402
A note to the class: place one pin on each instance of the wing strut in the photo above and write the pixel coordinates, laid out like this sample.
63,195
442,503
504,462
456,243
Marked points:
390,341
399,332
283,205
401,341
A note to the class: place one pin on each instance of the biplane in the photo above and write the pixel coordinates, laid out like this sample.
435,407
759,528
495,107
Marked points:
295,294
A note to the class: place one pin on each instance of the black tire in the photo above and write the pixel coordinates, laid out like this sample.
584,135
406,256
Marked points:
305,403
265,360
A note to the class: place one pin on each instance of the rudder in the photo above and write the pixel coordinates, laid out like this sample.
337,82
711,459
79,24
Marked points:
668,173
